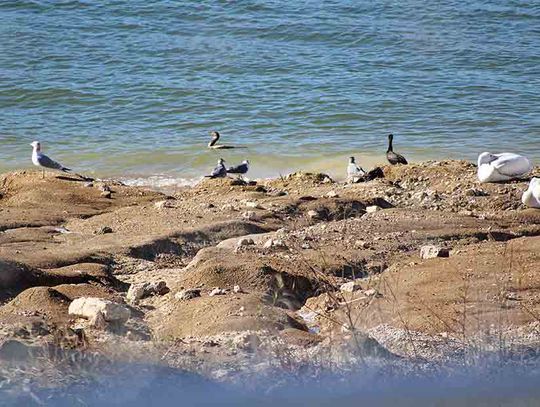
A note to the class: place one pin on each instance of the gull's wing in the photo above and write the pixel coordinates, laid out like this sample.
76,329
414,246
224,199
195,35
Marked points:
238,169
46,162
219,171
353,170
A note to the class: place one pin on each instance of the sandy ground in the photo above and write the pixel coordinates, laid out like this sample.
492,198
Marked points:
280,251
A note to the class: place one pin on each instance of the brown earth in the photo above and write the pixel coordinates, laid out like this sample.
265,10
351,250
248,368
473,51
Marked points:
62,239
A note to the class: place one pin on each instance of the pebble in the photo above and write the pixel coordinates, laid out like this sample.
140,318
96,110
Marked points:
217,291
245,242
104,230
164,204
188,294
372,292
253,205
332,194
249,215
274,243
373,208
350,287
313,214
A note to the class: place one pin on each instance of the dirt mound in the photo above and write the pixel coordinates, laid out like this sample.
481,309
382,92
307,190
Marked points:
16,277
36,301
481,288
215,315
50,304
28,200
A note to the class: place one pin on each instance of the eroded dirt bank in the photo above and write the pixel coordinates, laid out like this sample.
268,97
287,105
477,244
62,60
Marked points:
274,274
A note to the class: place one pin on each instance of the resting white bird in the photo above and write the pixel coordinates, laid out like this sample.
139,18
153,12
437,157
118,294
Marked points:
502,167
354,172
531,197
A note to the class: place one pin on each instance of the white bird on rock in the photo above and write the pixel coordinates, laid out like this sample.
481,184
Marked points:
502,167
531,197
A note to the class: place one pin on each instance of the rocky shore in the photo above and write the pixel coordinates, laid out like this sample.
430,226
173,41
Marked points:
227,279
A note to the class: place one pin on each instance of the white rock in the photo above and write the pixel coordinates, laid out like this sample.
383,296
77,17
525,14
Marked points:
332,194
372,292
135,293
373,208
237,289
88,307
350,287
313,214
430,252
274,243
164,204
217,291
253,205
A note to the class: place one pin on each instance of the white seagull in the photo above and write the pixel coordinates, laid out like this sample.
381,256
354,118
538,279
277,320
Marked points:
220,171
502,167
354,172
240,169
531,197
41,160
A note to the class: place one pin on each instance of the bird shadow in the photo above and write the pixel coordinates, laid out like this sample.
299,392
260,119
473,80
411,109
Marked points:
64,178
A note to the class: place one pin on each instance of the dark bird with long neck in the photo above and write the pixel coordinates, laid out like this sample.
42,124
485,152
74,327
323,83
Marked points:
392,157
214,142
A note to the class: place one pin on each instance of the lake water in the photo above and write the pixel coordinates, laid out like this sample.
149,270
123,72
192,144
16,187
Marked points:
131,88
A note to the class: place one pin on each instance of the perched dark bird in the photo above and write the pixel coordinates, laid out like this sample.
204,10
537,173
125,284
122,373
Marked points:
394,158
41,160
241,169
354,172
213,143
220,171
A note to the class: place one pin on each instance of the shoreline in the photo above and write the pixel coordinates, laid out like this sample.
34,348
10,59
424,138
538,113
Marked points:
299,264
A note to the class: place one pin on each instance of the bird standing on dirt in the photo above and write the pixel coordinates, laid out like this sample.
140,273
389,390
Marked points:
220,171
354,172
394,158
41,160
241,169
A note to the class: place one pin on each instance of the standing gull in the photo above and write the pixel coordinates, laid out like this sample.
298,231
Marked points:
220,171
241,169
354,172
394,158
213,143
41,160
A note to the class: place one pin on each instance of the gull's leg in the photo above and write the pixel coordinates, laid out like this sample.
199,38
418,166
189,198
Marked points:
42,174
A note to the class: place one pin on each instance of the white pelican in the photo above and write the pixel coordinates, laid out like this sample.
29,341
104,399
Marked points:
531,197
502,167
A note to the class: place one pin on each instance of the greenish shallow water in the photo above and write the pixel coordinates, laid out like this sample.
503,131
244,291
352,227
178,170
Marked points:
131,89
